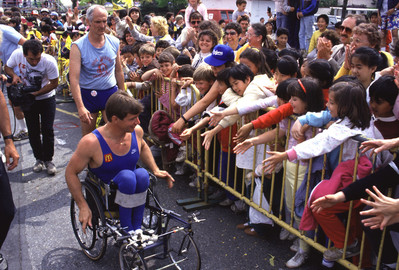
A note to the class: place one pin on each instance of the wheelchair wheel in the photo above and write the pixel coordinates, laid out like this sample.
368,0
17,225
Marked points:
94,241
183,251
130,258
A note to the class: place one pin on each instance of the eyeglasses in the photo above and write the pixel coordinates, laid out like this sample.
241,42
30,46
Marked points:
231,33
195,22
347,29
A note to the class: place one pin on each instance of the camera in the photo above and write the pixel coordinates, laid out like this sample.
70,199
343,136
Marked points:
19,94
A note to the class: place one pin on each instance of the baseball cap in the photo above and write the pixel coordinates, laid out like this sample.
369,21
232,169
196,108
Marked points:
220,55
44,10
53,13
35,12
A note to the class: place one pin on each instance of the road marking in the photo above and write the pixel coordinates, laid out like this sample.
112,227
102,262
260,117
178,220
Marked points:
66,112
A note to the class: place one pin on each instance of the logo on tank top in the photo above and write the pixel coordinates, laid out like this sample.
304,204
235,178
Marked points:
133,151
108,157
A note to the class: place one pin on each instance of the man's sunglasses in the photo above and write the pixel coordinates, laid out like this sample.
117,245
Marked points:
347,29
231,33
195,22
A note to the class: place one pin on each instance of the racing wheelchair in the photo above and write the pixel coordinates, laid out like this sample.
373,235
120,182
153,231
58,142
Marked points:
164,234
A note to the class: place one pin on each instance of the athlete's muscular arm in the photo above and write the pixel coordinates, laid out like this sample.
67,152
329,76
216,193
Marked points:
74,75
79,160
148,159
120,79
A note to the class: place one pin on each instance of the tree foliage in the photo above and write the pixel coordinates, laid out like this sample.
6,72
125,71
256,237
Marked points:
328,3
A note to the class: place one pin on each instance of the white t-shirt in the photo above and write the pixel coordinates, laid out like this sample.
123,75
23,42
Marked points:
45,70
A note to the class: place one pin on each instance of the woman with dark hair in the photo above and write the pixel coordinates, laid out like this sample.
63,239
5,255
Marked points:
232,31
145,28
257,38
128,38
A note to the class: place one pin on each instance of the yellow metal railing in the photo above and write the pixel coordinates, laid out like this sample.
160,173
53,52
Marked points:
197,158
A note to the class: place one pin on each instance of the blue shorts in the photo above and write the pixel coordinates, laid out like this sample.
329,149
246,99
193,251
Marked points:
94,100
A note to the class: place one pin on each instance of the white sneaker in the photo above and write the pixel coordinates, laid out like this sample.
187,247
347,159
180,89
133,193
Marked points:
181,156
295,246
226,202
51,169
284,234
3,263
298,260
39,166
193,183
179,169
238,206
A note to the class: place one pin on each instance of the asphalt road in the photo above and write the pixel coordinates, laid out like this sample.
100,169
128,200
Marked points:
41,235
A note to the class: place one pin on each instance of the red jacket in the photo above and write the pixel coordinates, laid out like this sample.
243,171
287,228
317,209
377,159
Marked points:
273,117
341,178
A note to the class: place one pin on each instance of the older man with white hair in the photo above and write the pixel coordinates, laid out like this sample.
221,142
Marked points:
95,68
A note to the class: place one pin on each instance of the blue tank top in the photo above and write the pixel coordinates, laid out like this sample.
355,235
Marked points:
113,164
97,70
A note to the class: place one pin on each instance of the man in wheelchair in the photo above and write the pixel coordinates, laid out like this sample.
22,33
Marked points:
111,152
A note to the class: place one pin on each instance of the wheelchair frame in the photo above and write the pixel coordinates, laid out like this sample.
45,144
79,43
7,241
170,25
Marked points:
174,242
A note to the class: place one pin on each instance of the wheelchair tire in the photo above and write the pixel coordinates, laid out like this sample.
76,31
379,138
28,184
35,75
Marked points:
130,258
183,251
94,241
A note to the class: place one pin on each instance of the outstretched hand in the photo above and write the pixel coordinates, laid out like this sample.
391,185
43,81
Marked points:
384,209
327,201
164,174
186,134
243,133
271,162
242,147
216,118
379,145
208,136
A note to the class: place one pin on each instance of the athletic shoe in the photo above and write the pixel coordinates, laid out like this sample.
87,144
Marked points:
51,169
238,207
243,226
298,260
39,166
295,246
22,135
334,254
181,155
193,182
251,232
226,202
284,234
3,263
218,194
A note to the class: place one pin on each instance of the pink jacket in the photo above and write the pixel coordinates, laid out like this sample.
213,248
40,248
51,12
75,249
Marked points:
201,8
341,178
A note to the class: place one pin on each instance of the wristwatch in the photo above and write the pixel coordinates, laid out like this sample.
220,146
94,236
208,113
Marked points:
8,137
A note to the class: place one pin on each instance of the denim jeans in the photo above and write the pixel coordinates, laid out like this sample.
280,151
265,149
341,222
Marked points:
305,31
7,208
281,21
39,120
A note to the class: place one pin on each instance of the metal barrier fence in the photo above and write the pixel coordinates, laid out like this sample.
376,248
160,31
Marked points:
203,162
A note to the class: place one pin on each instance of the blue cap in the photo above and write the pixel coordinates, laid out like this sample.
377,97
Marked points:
220,55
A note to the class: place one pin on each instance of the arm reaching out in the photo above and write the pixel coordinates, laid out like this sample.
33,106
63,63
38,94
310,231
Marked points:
379,145
384,209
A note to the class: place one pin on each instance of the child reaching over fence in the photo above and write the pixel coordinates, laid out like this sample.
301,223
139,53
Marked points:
347,101
306,95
